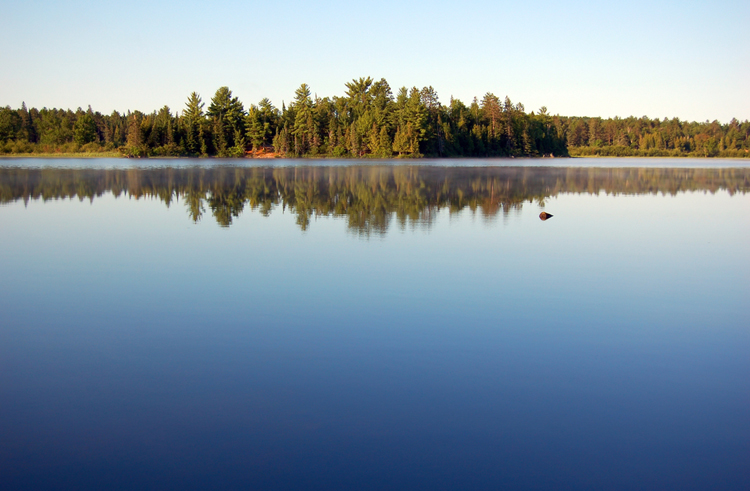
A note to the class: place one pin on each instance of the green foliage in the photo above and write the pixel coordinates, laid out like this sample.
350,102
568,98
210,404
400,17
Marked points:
254,128
367,121
193,126
10,124
84,130
304,128
227,117
644,137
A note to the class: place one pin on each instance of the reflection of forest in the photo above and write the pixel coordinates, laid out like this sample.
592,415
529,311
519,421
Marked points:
369,196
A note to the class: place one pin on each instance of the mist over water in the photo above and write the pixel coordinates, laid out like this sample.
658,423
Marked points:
373,326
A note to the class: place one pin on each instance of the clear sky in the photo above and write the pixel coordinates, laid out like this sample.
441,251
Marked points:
655,58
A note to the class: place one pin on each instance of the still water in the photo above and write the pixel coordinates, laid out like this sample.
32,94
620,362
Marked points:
191,324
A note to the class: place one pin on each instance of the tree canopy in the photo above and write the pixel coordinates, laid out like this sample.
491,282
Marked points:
368,120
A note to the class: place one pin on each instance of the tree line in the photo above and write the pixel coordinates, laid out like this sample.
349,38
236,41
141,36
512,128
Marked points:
369,120
619,137
369,197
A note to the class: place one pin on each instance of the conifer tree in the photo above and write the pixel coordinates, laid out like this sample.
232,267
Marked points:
84,130
401,142
384,146
227,116
134,129
193,118
28,132
304,124
254,128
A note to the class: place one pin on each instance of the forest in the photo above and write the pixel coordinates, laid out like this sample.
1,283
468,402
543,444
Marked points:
368,121
369,197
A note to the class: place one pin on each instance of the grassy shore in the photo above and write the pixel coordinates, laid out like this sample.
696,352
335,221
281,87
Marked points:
676,157
76,155
271,155
622,151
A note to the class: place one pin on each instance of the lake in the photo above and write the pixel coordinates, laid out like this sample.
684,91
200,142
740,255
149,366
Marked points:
225,324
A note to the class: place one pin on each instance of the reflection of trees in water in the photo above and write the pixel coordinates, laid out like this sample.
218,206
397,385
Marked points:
369,197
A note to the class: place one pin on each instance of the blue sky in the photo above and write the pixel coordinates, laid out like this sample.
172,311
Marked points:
659,58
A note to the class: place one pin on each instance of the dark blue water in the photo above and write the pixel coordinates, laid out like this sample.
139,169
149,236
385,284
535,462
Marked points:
374,327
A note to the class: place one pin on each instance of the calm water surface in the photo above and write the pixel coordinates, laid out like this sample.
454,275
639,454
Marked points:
201,325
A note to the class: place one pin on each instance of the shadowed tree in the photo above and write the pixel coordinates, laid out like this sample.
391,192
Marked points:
227,118
194,121
84,130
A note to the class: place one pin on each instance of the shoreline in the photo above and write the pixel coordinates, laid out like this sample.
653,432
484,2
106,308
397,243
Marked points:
117,155
76,155
654,157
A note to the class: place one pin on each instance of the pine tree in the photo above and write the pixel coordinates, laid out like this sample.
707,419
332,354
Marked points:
359,95
385,145
227,116
304,124
416,119
510,135
84,129
193,108
28,132
238,150
492,113
355,141
194,118
332,134
373,140
254,128
401,142
134,127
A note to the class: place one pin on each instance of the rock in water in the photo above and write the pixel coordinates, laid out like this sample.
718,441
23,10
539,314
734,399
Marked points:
544,215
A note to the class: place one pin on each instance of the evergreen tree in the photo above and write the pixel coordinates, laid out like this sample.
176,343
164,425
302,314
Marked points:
367,120
401,142
238,150
84,130
227,117
10,124
193,120
28,132
254,128
359,95
304,124
384,144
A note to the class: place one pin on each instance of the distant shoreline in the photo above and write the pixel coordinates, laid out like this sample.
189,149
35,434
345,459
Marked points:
117,155
655,157
79,155
370,120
